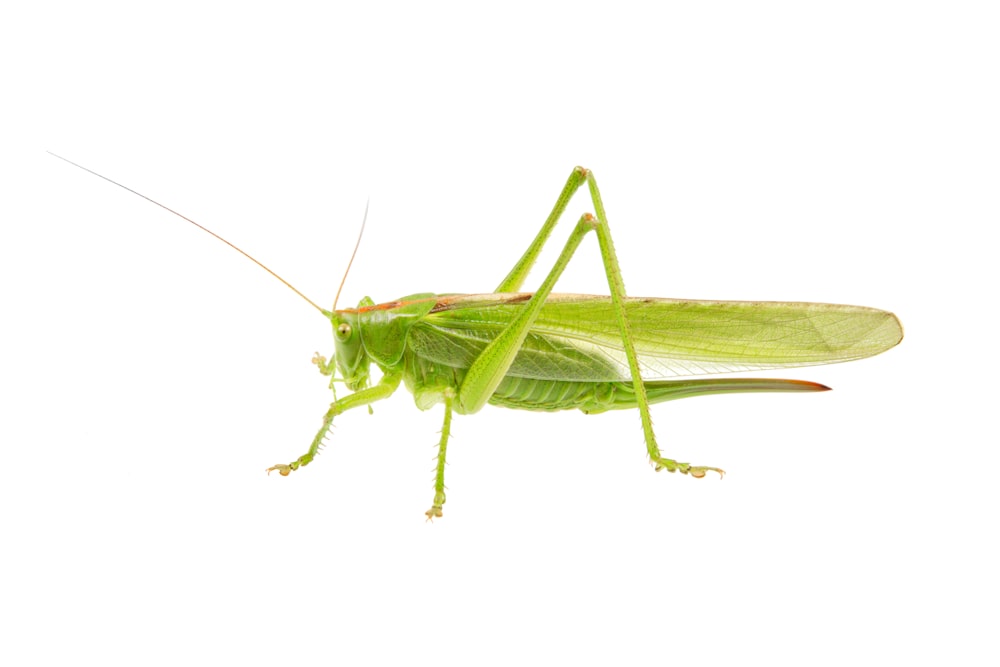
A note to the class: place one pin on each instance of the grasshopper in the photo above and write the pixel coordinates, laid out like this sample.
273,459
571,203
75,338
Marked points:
548,351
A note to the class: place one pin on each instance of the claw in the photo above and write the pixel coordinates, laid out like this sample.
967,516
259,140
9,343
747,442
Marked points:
282,468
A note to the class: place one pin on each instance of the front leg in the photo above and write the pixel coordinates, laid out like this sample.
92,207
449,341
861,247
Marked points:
384,389
327,369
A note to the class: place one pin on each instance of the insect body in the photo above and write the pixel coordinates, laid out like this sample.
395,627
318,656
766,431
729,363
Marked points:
549,351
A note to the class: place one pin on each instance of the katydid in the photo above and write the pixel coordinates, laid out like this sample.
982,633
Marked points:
547,351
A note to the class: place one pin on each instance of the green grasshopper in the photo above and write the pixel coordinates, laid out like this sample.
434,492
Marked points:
544,351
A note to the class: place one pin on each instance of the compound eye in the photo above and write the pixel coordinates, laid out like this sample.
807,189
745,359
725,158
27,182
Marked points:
344,330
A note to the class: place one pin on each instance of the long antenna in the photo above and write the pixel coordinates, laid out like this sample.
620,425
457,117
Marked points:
209,231
357,244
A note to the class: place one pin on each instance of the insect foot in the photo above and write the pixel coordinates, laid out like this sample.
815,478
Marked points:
325,367
283,468
699,471
685,468
437,510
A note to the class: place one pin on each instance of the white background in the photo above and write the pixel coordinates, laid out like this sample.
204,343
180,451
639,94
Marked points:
766,150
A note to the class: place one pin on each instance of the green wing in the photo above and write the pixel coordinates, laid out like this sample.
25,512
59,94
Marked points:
576,338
